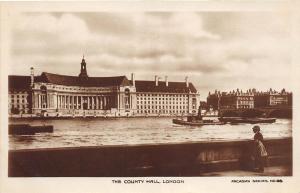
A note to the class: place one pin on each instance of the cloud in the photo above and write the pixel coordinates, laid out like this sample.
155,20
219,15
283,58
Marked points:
208,46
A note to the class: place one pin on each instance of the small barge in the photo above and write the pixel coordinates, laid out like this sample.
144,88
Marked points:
236,120
26,129
197,123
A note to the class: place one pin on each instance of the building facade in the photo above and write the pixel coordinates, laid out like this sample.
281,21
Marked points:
273,98
249,99
165,98
19,97
60,95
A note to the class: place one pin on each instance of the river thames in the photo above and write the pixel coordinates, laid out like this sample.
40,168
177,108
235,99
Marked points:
99,132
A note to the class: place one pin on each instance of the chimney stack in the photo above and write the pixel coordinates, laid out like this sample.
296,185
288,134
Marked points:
186,81
156,80
31,76
133,79
166,78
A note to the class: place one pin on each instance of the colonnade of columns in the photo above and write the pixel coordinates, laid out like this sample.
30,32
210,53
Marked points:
86,102
65,101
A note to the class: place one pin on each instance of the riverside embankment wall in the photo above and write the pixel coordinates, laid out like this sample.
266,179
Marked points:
180,159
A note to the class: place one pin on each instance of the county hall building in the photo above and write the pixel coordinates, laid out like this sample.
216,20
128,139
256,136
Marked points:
59,95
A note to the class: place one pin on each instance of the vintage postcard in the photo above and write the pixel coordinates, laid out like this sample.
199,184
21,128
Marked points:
149,97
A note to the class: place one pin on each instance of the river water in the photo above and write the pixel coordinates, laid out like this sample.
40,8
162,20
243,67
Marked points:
98,132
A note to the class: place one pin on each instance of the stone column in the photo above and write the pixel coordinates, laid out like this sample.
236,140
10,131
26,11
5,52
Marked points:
107,102
40,100
93,102
60,101
49,101
130,105
118,101
69,101
100,102
77,97
72,107
36,100
104,102
55,100
97,102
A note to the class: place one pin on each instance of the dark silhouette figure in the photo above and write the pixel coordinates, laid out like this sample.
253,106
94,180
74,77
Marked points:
259,154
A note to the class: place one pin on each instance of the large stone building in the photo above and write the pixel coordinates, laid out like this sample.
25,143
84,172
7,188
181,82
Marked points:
60,95
273,98
249,99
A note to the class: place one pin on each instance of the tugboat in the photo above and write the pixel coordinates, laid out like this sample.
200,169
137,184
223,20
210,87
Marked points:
197,120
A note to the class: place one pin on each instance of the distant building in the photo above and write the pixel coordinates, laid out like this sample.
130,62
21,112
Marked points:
212,100
232,100
273,98
60,95
238,99
19,95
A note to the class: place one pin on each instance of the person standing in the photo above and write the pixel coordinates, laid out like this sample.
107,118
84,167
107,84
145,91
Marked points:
260,152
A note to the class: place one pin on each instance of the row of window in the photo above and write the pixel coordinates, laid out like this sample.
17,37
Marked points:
19,106
245,98
163,102
162,95
161,111
77,89
161,107
23,101
246,102
17,96
170,98
245,106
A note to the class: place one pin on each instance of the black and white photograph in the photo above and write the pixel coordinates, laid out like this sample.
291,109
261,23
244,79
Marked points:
150,96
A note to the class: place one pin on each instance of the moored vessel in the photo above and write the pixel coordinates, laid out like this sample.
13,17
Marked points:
236,120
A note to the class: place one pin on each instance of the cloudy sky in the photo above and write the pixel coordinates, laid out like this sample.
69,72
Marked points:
216,50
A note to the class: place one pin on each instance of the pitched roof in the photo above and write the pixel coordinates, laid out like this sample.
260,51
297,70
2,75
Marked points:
173,87
18,82
23,83
77,81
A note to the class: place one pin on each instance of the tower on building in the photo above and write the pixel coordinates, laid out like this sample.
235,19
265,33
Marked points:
83,72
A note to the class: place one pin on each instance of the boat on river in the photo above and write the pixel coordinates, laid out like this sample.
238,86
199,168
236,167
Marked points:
26,129
197,122
236,120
